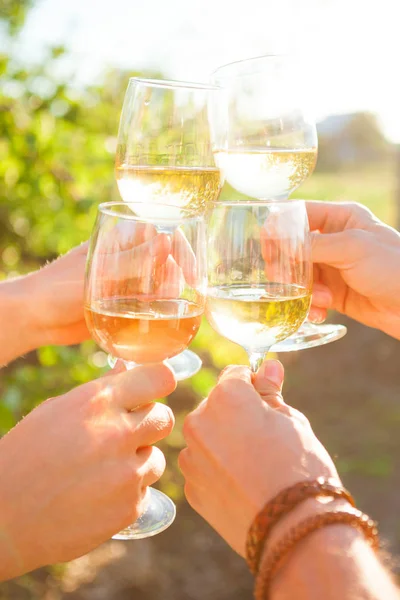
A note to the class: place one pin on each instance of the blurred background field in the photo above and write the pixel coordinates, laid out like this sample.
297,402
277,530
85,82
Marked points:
57,141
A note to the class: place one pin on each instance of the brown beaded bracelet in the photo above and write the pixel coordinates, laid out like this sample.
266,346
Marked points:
280,506
272,560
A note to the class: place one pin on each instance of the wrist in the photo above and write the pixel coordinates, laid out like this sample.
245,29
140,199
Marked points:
308,508
323,560
323,565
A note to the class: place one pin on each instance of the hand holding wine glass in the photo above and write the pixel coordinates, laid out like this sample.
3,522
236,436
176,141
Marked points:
144,302
246,445
89,461
357,258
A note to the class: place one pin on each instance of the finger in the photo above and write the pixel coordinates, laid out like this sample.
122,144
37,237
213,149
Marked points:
171,280
321,296
136,263
138,386
337,216
151,423
268,382
184,256
127,234
119,367
286,258
317,315
235,372
151,464
233,390
133,236
339,250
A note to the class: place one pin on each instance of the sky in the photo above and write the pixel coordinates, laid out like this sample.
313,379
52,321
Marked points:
351,47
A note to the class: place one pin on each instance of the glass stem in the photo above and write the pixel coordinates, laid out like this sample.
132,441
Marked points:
256,359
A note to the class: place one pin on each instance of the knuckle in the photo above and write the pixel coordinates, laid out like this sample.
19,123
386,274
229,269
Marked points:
351,205
101,396
161,418
301,418
229,390
359,208
227,387
169,419
168,378
360,212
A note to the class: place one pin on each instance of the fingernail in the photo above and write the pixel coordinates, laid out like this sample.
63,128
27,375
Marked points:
316,316
272,370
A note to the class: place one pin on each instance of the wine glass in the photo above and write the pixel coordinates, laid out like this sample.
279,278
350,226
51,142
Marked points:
144,299
164,156
259,273
270,147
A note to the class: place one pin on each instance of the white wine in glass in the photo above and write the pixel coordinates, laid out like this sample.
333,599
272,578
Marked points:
265,173
193,188
144,299
270,147
265,314
165,157
260,273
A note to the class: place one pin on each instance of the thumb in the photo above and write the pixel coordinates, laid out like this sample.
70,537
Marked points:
268,382
118,367
338,249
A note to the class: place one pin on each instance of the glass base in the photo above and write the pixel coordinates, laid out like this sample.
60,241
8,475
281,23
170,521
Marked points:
311,336
160,513
184,365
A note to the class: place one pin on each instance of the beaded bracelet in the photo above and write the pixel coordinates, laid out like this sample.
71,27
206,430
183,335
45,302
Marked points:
280,506
272,560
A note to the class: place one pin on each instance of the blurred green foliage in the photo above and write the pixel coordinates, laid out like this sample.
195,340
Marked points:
56,164
13,13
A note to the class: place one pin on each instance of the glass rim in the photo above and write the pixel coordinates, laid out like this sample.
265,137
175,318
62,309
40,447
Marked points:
173,84
255,203
251,60
106,208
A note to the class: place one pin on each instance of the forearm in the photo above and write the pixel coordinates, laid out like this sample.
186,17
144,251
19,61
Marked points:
12,564
21,503
18,333
333,562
